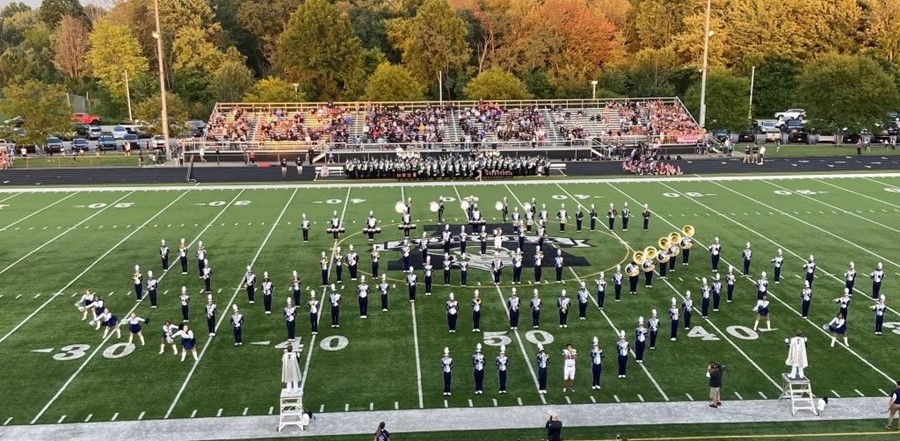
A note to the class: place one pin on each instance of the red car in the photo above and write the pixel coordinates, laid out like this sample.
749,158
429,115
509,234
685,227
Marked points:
86,118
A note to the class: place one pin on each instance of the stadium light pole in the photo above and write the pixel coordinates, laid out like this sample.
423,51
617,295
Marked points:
164,113
593,89
128,96
706,35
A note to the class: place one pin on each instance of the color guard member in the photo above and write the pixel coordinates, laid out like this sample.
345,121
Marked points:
168,329
715,251
185,300
313,306
164,255
645,214
447,369
762,312
362,294
570,354
535,310
879,308
134,327
384,288
622,353
596,364
512,308
746,257
502,363
563,305
268,288
777,262
838,328
626,216
640,340
84,303
805,299
653,327
109,322
877,277
334,300
290,319
138,279
476,312
542,359
210,315
188,342
478,369
182,256
810,267
250,284
152,289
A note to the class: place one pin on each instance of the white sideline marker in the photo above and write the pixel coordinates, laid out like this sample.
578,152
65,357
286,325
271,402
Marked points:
7,421
322,409
763,395
616,397
141,416
271,409
219,413
17,297
738,395
88,419
194,413
371,406
61,419
641,397
470,403
568,400
346,407
835,393
593,400
246,409
689,397
882,392
446,404
115,416
396,405
520,401
494,400
858,392
37,295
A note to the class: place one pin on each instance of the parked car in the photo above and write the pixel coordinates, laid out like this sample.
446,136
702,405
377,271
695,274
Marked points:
826,136
53,145
722,135
5,145
94,132
159,142
119,132
790,114
107,142
747,136
196,128
131,140
86,118
80,144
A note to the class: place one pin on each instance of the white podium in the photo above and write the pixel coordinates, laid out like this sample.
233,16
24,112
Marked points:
291,410
799,390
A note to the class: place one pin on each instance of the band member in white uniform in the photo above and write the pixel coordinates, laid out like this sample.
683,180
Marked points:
579,218
138,279
715,251
611,216
563,305
850,276
877,277
805,299
622,354
716,290
188,342
879,307
384,288
640,340
237,325
352,263
411,279
542,358
168,329
296,286
762,285
134,327
338,259
502,363
268,288
151,289
512,308
447,369
304,227
313,306
762,312
673,319
535,310
653,328
428,273
843,302
563,217
290,319
476,312
250,285
729,283
334,299
777,263
705,293
478,369
517,259
201,257
164,255
569,354
596,364
185,300
211,309
601,290
583,297
626,216
362,294
645,214
687,310
182,256
558,265
594,216
323,267
375,257
452,313
538,261
810,267
617,279
207,276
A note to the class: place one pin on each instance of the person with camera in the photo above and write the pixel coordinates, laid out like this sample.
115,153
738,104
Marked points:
554,428
714,373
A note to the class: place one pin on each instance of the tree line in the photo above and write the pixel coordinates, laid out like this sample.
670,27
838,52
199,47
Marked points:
839,59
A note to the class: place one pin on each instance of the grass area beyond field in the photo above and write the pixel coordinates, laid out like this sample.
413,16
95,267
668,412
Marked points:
56,245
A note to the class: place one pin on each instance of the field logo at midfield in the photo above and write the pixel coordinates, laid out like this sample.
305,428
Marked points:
392,250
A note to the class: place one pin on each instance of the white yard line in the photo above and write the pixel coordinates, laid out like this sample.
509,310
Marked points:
312,340
228,306
858,194
515,331
771,293
66,231
412,308
100,346
36,212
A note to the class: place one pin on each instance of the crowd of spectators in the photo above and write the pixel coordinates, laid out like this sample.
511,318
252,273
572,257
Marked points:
669,122
328,122
478,121
232,125
411,165
393,124
651,167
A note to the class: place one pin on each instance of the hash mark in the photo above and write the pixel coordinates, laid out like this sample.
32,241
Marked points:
141,416
520,401
858,392
882,392
739,396
568,400
115,416
763,395
194,413
396,405
446,404
7,421
835,393
88,419
616,397
245,410
219,413
271,409
641,397
322,409
37,295
689,397
61,419
593,400
371,406
17,297
470,403
495,401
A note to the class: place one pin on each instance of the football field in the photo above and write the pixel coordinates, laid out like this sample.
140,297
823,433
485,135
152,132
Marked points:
58,243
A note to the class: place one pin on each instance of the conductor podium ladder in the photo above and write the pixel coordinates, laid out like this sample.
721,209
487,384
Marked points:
291,410
799,390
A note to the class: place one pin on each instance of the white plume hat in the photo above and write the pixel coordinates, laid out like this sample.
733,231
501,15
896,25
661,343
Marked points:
703,280
502,349
446,351
596,341
234,307
137,268
653,313
451,296
150,273
622,335
641,320
294,273
209,298
478,347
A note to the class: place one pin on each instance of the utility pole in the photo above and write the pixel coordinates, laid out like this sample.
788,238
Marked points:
164,114
706,35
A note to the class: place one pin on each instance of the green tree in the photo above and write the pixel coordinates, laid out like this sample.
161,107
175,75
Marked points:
114,49
773,86
319,50
726,100
651,72
433,41
43,107
266,20
231,81
393,83
496,84
52,11
149,111
846,91
273,90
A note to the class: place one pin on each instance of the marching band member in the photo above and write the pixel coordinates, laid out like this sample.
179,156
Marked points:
476,312
563,304
164,255
617,279
626,215
648,266
762,286
338,265
663,258
558,263
498,239
596,364
440,211
188,342
622,352
427,271
517,221
504,209
777,262
497,268
746,256
384,288
570,354
446,239
633,272
447,369
290,369
716,290
673,318
250,283
583,296
483,240
810,267
843,302
517,267
542,358
182,256
653,326
805,299
687,310
502,363
838,327
562,216
362,294
352,263
210,315
268,288
529,219
512,307
372,226
452,313
535,310
304,227
334,299
405,255
138,279
335,226
478,369
185,300
152,289
685,244
423,244
463,239
290,319
463,269
640,340
593,215
704,298
850,277
762,311
538,259
313,306
579,218
673,254
877,277
879,308
109,322
84,303
601,290
645,214
134,327
168,329
201,257
207,276
375,257
611,216
715,251
542,216
411,279
296,287
729,283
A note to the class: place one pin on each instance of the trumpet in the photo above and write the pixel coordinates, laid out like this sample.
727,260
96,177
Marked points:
663,243
650,253
434,206
688,230
400,207
498,205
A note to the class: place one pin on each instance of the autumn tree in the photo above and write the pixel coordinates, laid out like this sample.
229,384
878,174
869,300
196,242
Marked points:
71,44
43,108
689,42
727,100
654,24
114,49
883,33
651,72
273,90
393,83
496,84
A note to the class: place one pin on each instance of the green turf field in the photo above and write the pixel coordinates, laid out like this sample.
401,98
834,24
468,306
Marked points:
57,244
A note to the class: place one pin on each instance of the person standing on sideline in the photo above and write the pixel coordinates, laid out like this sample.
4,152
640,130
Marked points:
284,166
554,428
299,163
290,369
381,434
893,406
714,373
